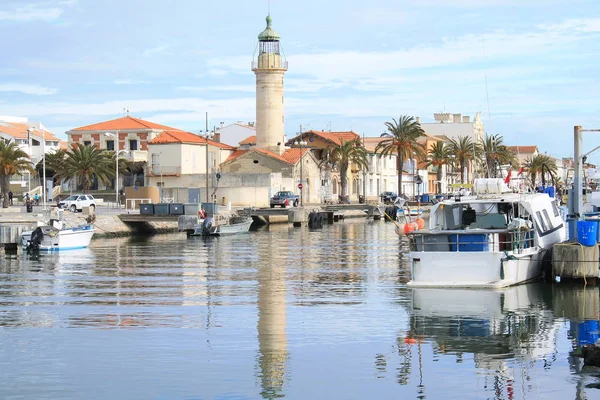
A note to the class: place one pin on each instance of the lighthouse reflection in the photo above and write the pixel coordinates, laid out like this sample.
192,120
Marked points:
272,342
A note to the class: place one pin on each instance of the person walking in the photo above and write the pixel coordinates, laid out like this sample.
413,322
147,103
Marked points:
10,197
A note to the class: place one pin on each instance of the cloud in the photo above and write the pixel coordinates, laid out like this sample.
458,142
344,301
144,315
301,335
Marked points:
31,13
225,88
27,89
128,82
499,45
161,49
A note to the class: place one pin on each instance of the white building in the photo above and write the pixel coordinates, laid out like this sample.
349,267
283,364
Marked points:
32,138
454,126
381,175
233,134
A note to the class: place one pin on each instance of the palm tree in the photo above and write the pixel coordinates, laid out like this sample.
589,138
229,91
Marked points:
83,163
341,156
496,154
54,162
536,164
464,150
401,140
438,156
13,161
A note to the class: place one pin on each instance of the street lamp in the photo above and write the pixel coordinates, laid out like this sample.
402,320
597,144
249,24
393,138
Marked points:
117,152
301,144
43,163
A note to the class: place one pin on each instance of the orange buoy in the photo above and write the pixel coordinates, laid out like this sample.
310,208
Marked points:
409,227
420,223
400,229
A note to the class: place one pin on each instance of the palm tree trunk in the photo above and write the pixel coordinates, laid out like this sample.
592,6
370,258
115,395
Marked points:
343,179
462,171
439,179
399,165
4,186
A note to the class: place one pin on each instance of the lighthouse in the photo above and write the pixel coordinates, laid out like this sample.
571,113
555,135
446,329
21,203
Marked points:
269,68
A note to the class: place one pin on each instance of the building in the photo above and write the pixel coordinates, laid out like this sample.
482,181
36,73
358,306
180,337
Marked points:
129,134
233,134
269,68
454,126
35,140
524,153
382,174
180,159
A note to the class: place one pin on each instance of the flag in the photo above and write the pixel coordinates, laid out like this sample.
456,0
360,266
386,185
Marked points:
521,171
507,179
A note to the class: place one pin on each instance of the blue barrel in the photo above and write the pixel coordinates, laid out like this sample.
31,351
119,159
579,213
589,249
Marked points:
587,232
425,198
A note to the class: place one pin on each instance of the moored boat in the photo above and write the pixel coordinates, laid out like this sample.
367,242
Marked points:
494,239
211,226
54,237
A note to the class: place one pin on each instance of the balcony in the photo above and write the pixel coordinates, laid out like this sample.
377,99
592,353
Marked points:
164,170
136,155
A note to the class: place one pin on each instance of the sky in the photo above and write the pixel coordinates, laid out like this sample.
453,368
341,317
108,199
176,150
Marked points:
530,66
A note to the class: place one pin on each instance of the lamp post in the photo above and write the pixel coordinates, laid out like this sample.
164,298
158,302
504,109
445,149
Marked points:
414,176
117,152
301,144
208,135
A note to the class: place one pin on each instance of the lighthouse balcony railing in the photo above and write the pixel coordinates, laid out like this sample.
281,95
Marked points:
283,65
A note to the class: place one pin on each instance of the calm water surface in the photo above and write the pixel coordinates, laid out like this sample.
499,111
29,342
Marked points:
282,312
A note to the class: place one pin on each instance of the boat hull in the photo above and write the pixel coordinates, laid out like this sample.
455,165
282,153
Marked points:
491,269
64,239
222,229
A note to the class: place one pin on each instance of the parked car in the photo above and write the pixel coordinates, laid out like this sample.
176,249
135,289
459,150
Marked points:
284,199
76,202
388,197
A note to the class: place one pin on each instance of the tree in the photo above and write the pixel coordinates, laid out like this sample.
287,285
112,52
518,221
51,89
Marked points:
341,156
54,162
538,164
401,140
83,163
438,156
495,155
464,150
13,161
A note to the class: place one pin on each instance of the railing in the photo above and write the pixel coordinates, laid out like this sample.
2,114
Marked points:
475,240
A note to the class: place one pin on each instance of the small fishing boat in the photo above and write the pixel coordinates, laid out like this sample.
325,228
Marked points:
217,226
53,236
494,239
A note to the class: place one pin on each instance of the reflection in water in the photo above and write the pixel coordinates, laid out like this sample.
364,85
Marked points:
282,312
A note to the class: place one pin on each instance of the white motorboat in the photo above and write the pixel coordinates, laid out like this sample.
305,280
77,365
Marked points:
54,236
493,239
211,226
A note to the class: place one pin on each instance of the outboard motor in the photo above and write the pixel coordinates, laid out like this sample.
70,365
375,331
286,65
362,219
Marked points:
36,239
206,225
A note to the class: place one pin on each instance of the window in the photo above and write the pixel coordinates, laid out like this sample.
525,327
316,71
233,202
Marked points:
133,144
555,209
110,145
87,143
541,221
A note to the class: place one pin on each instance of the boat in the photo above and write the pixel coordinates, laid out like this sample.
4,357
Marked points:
219,225
493,239
53,236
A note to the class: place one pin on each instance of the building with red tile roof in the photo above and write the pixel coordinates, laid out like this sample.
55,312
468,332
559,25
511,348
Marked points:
125,133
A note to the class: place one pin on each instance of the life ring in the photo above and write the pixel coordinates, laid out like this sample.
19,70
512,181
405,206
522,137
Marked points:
202,214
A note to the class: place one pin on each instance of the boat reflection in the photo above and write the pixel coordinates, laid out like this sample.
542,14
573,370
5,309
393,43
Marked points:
502,332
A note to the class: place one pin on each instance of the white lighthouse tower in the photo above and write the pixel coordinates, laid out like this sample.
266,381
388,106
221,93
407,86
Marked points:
269,68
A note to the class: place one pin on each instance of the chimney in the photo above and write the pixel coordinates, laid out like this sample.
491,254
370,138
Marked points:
466,119
217,137
456,118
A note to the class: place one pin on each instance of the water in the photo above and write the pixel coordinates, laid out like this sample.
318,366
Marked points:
282,312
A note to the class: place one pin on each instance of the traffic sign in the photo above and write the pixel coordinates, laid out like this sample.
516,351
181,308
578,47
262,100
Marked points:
299,186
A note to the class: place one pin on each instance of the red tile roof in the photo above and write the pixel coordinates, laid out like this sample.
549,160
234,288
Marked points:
251,140
19,131
334,137
177,136
124,123
523,149
236,154
293,155
239,153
